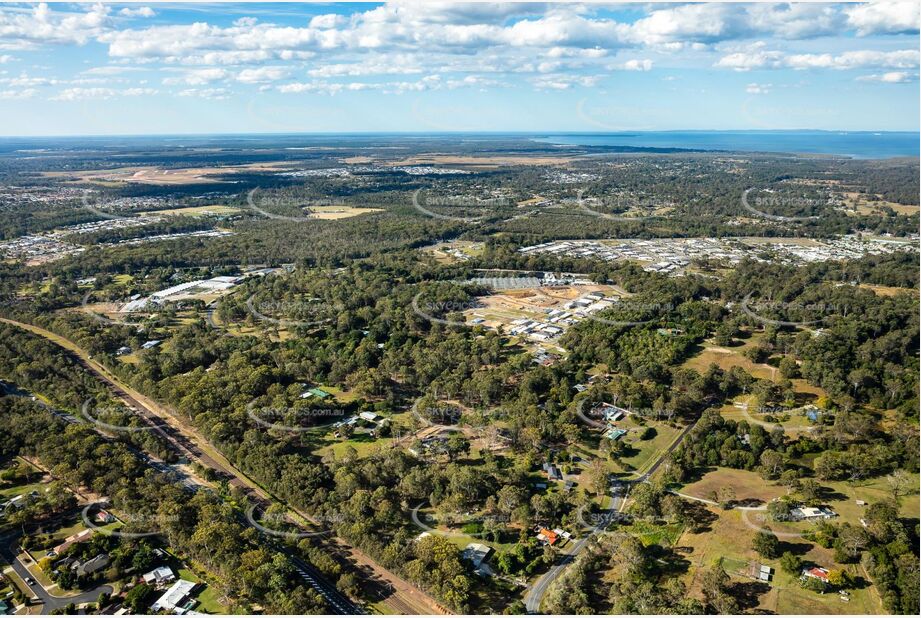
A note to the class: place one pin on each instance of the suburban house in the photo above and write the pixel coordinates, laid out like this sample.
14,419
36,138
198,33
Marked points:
553,473
178,597
73,538
104,517
809,513
319,393
812,413
150,344
547,536
159,576
433,445
92,565
609,412
14,504
816,573
477,554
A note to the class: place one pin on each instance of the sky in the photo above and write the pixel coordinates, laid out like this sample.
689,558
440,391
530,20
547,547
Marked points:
149,68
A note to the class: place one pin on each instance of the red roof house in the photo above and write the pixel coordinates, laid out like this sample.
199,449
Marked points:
816,572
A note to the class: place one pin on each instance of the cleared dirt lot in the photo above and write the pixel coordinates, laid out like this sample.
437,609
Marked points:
886,290
196,211
493,161
332,213
727,358
502,308
162,176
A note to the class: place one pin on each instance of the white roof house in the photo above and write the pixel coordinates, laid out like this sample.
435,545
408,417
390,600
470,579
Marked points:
477,553
810,512
177,594
160,575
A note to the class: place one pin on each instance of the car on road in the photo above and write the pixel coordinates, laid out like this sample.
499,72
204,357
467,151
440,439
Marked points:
30,581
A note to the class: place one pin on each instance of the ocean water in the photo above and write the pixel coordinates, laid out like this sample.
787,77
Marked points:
857,144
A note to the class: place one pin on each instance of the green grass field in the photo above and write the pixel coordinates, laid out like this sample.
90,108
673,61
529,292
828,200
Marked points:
647,450
654,534
745,484
11,491
209,597
23,485
209,601
729,542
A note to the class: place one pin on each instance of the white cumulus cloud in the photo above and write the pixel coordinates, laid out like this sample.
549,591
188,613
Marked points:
142,11
890,77
884,17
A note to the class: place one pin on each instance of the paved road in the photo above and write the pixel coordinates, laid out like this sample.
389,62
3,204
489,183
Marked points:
671,449
537,591
49,601
184,441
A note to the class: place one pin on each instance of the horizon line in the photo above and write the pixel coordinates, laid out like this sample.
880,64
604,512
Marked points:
459,132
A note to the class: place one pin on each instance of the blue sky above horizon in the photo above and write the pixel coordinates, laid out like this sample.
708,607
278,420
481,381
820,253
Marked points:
116,68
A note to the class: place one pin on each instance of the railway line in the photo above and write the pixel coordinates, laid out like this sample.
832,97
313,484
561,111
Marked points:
393,591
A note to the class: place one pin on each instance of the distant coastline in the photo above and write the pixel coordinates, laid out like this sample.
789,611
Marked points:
856,144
